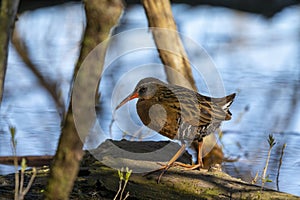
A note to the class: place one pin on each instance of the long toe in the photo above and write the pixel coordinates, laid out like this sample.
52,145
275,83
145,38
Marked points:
189,167
164,168
161,174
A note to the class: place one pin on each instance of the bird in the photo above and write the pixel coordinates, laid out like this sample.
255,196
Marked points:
178,113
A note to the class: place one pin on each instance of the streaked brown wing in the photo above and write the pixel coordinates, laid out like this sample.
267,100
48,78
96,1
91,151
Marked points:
195,109
206,112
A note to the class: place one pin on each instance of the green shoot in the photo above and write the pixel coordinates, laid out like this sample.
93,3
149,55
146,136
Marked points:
264,178
121,177
271,140
128,173
12,131
20,192
120,172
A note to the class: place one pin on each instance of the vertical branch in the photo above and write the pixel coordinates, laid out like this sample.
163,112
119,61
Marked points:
7,18
159,14
279,166
101,16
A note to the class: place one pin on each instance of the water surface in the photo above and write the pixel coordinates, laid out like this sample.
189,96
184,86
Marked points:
257,58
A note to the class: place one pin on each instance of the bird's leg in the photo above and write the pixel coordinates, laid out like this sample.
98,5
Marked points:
164,168
199,164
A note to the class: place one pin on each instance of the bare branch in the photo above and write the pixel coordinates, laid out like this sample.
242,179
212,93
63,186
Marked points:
166,37
7,19
50,86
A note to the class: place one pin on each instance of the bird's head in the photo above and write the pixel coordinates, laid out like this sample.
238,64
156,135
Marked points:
145,89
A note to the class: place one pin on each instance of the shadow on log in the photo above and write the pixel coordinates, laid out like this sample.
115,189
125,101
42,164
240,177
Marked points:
97,181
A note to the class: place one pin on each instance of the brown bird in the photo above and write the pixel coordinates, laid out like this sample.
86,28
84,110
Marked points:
179,113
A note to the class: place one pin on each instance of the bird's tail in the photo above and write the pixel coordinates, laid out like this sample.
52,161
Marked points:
225,103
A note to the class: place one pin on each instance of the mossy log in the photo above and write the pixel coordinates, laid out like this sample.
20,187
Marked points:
97,181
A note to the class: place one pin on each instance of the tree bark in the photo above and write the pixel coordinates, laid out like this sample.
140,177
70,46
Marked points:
168,42
7,19
159,14
175,184
101,17
178,184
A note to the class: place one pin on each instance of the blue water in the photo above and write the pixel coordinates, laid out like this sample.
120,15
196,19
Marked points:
255,57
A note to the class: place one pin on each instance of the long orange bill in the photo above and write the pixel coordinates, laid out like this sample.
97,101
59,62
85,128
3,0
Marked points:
130,97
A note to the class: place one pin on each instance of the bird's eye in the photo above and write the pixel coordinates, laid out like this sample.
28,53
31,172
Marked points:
142,90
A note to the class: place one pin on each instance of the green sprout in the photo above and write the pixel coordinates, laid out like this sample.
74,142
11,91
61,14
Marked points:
12,131
120,172
265,178
271,140
128,173
20,192
121,177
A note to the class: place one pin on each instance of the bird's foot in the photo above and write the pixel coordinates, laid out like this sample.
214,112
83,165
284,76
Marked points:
164,169
189,167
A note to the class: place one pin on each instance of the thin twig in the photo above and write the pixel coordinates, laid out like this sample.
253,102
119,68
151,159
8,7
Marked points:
127,195
121,177
265,169
21,183
30,182
14,150
49,85
271,142
255,178
279,167
110,127
16,179
124,186
119,190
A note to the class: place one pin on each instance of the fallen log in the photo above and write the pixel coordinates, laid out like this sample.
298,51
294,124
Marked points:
98,181
31,161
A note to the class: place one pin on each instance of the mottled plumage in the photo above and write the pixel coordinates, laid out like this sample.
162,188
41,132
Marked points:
177,107
177,112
